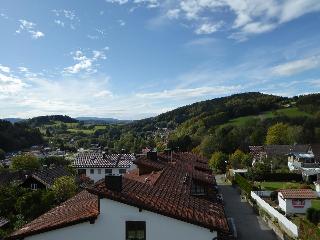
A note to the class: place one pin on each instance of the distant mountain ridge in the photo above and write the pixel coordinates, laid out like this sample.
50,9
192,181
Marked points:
14,120
97,120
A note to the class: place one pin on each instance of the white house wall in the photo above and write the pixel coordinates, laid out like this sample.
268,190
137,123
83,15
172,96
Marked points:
287,206
111,225
96,176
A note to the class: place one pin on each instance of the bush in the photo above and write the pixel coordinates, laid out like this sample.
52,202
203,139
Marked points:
313,215
274,196
277,177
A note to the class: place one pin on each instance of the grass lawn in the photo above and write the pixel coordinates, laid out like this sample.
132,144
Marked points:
85,131
316,204
290,112
272,186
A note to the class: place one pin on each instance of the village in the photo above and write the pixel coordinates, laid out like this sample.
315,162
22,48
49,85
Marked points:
177,190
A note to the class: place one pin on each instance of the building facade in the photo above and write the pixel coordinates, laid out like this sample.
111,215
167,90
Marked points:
96,165
295,200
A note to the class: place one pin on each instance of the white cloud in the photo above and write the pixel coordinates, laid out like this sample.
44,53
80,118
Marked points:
251,17
102,94
3,15
208,28
85,63
184,93
117,1
147,3
297,66
173,13
59,22
121,22
30,28
4,69
10,84
64,17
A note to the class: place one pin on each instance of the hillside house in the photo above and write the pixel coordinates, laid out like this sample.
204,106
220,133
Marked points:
295,200
165,198
96,164
259,153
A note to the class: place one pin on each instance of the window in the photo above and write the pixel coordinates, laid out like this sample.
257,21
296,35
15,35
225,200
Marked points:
108,171
34,186
99,171
122,171
91,171
135,230
198,189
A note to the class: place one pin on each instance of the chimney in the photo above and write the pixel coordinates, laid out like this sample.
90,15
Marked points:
153,156
113,182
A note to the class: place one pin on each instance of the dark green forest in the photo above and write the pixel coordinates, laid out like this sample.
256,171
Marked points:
17,136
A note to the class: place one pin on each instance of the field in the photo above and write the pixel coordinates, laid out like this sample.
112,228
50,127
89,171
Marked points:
290,112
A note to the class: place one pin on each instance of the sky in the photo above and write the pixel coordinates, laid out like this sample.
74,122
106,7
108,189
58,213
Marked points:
131,59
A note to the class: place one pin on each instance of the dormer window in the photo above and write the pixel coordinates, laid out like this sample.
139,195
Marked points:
198,189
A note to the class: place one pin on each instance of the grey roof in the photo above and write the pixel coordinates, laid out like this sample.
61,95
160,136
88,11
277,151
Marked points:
277,150
48,176
100,160
3,221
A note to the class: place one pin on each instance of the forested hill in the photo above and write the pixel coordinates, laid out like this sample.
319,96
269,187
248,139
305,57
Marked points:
41,120
17,136
236,122
214,111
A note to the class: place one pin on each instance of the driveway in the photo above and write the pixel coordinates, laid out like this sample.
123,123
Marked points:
248,225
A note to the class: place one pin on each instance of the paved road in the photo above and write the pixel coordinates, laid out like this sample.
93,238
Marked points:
249,226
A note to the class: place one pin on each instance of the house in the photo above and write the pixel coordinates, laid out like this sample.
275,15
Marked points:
96,164
45,178
298,160
295,200
164,198
259,153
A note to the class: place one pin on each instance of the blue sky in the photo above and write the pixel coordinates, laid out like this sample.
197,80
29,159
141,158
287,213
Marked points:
132,59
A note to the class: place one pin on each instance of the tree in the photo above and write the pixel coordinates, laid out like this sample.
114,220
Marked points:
218,161
2,154
277,134
64,188
34,203
240,159
25,162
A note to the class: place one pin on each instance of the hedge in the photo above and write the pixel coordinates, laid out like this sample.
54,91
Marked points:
244,184
279,177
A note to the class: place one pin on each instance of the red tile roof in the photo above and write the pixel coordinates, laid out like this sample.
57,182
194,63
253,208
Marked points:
298,193
170,196
81,208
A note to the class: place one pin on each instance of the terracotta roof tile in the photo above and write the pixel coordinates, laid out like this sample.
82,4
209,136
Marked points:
298,193
82,207
171,194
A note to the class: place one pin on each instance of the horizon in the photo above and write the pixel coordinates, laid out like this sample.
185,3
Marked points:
76,117
131,60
